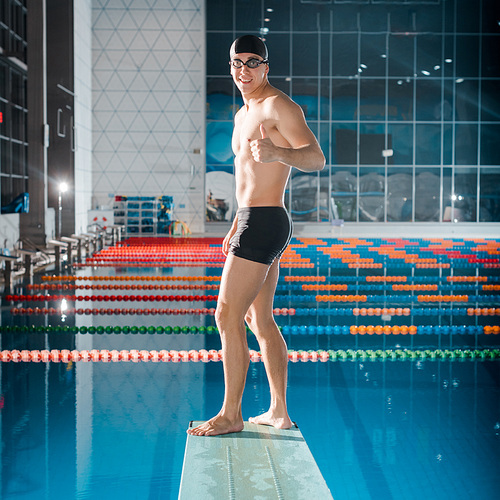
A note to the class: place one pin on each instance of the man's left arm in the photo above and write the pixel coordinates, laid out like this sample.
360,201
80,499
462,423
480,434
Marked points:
304,151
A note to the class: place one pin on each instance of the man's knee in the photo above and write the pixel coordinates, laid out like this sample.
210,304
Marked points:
226,316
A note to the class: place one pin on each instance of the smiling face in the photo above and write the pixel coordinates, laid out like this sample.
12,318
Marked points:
248,80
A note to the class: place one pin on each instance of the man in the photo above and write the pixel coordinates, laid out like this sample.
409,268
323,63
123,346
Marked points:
270,136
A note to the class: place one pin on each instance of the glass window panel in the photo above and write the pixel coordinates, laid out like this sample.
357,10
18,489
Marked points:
308,16
19,185
219,150
465,194
324,140
372,143
18,123
17,160
466,100
345,17
399,194
372,99
449,62
6,187
5,164
305,55
248,17
428,100
466,144
400,99
490,100
490,50
325,101
218,45
467,15
304,196
490,17
17,88
219,15
371,194
447,144
467,55
278,13
429,18
345,55
401,138
325,208
282,84
305,94
220,104
401,56
374,19
490,152
325,59
427,195
429,54
344,144
489,204
401,19
373,47
427,144
3,82
279,54
344,193
447,188
345,100
448,100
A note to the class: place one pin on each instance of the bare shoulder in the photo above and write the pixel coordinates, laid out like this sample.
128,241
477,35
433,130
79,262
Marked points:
280,102
281,108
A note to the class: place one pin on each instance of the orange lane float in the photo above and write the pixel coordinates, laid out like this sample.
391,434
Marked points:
483,311
379,311
305,278
341,298
443,298
324,287
417,288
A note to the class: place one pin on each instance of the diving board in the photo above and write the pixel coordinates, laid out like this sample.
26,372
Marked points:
259,462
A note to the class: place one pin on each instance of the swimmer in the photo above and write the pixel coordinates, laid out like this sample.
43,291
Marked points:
270,136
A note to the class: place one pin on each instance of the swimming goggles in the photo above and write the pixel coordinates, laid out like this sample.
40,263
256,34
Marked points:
251,63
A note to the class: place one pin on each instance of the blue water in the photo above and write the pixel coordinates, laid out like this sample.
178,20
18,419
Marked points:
378,430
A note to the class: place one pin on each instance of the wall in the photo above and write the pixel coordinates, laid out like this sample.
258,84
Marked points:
83,112
402,96
149,103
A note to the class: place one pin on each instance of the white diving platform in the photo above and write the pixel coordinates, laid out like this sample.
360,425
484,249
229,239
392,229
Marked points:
258,463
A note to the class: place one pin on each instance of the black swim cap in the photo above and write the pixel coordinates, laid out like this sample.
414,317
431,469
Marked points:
249,43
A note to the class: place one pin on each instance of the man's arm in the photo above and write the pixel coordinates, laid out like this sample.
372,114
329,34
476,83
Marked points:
304,152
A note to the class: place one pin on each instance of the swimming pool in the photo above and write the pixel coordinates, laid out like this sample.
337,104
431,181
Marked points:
399,413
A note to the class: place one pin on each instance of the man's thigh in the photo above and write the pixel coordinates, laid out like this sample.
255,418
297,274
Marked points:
241,282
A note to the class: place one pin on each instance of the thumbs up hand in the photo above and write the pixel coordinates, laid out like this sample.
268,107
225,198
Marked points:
263,150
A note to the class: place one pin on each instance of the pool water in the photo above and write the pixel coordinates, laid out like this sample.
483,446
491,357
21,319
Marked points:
408,428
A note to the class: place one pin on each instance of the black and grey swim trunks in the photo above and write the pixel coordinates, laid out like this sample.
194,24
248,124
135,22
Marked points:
262,234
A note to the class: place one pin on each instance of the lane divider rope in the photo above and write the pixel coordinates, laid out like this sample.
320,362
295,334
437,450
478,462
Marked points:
283,311
135,355
286,330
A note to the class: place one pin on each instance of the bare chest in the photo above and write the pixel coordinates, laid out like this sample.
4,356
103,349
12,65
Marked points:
246,128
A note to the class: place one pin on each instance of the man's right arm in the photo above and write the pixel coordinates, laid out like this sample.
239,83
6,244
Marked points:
229,235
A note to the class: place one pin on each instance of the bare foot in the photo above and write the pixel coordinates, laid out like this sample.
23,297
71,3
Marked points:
270,418
216,426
